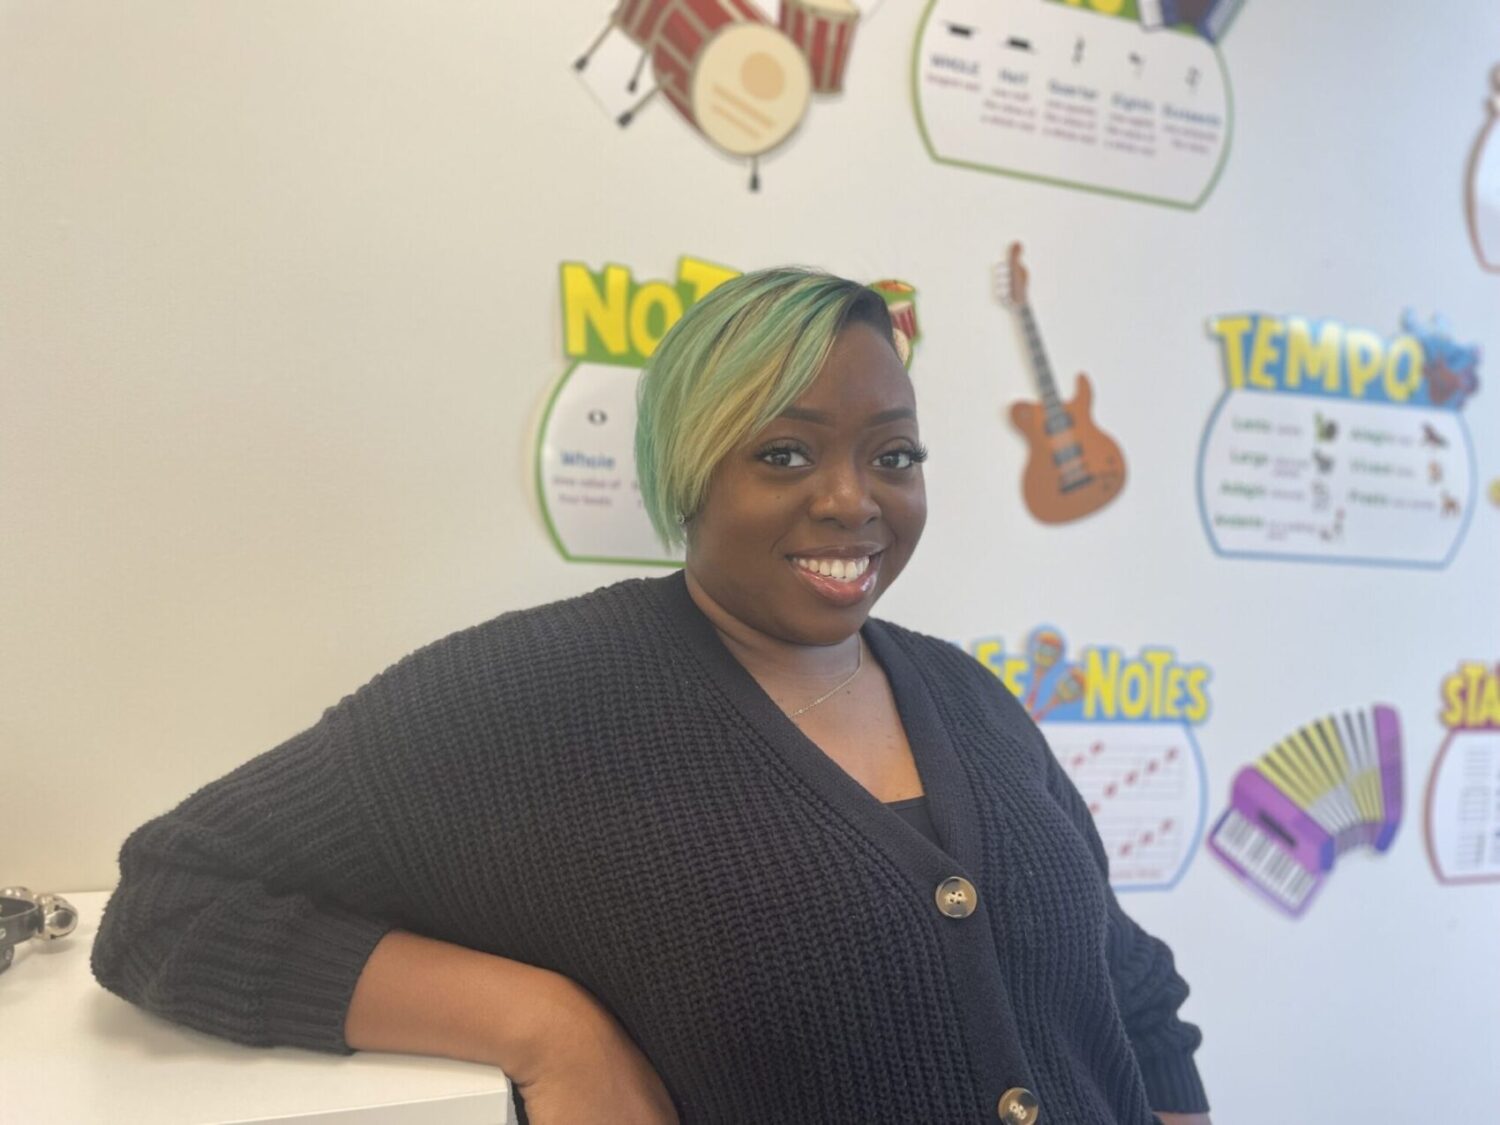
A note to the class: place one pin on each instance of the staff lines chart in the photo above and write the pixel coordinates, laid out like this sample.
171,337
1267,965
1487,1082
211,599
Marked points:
1463,809
1145,788
1463,790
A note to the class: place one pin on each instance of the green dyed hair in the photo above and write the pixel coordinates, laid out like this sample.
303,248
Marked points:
732,363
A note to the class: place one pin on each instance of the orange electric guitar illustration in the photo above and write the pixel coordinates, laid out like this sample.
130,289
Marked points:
1074,468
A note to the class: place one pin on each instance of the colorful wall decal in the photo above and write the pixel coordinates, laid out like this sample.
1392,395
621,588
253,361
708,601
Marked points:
585,451
1332,444
1081,95
1209,18
901,301
739,81
1122,728
1483,193
1329,787
1463,791
1073,468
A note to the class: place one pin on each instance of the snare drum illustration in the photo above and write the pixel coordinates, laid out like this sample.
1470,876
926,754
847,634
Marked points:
639,19
824,30
901,300
736,79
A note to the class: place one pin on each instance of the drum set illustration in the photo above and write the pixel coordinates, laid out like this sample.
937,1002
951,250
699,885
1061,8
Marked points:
739,80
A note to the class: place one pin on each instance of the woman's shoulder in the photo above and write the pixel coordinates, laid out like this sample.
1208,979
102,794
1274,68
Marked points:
954,676
521,653
935,652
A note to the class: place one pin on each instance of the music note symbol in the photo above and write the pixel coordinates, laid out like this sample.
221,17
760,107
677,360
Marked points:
1137,62
1192,78
1078,51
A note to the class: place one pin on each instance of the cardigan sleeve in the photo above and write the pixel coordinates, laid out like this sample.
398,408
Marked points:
1148,989
249,910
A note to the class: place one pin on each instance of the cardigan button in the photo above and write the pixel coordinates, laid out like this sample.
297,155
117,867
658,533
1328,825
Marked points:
956,897
1018,1106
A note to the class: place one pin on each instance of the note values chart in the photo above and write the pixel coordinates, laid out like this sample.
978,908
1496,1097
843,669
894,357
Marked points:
1072,96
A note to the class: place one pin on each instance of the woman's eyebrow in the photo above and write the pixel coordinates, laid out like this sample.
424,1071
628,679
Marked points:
823,418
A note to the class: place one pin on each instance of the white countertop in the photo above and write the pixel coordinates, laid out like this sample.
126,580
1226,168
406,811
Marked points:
73,1054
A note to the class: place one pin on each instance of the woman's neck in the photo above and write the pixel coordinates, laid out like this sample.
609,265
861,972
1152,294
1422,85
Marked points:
767,657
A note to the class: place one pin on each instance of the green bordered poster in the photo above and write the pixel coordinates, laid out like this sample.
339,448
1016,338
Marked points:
1099,95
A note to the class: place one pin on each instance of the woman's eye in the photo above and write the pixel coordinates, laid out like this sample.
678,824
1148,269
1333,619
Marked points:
785,458
901,458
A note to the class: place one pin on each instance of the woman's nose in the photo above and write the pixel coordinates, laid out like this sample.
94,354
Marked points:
843,494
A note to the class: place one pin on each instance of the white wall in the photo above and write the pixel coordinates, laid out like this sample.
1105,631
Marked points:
278,309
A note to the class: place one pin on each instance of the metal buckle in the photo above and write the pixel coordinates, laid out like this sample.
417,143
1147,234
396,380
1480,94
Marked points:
24,916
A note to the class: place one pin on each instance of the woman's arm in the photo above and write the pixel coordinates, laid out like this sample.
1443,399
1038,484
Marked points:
1184,1119
260,910
250,909
570,1058
425,997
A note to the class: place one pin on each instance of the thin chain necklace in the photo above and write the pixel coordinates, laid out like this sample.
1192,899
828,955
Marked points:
859,662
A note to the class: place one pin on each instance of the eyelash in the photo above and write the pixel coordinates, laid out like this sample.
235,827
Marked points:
915,455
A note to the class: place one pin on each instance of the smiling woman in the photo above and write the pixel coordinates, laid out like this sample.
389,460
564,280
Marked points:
773,859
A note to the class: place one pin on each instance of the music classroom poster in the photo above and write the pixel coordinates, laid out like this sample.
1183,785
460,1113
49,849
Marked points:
1463,790
1121,727
1333,444
1332,786
739,80
585,445
1092,94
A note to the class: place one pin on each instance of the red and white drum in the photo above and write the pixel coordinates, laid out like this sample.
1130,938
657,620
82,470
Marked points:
824,30
900,300
640,19
736,79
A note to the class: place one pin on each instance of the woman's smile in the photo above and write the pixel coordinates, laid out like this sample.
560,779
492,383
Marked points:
845,579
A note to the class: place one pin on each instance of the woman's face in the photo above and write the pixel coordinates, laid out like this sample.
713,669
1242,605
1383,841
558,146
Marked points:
808,523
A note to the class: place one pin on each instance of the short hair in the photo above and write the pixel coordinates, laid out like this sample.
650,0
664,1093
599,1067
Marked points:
732,363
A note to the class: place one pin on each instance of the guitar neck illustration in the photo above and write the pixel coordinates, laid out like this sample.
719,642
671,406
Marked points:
1041,370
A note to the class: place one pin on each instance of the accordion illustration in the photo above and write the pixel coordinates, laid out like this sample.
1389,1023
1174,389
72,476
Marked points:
1332,785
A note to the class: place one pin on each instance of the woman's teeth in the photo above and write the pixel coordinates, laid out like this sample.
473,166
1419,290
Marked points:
843,569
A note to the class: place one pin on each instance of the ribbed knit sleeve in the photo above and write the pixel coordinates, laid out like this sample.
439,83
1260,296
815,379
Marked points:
249,910
1147,987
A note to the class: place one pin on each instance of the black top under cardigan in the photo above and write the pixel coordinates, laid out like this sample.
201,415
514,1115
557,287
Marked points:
598,787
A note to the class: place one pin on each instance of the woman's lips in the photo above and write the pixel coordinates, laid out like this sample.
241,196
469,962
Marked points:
840,591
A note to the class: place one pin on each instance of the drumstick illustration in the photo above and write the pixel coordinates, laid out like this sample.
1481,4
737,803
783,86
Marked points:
639,20
1069,689
583,60
629,115
635,75
1044,649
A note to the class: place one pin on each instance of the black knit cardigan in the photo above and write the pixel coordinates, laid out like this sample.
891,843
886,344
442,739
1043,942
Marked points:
598,787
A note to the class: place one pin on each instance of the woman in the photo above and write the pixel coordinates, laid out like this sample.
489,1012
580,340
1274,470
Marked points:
717,844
